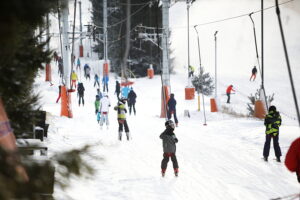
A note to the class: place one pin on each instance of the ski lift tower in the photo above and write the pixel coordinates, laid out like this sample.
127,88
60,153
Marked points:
165,60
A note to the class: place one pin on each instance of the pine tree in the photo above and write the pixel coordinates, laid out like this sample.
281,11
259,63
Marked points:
203,83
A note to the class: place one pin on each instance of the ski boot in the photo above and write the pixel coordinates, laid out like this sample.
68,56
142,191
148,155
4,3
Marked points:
278,159
266,159
176,172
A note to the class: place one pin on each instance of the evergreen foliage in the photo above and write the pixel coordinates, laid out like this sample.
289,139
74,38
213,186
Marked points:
255,97
142,52
203,83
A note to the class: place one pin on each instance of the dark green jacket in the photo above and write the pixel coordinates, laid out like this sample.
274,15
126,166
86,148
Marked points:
272,123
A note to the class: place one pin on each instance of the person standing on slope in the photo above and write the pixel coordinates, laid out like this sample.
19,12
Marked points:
80,93
122,118
272,123
74,78
118,89
171,106
96,80
292,159
78,64
228,92
169,147
254,71
104,108
105,80
131,101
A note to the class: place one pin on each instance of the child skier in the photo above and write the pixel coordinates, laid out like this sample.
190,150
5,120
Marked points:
80,93
74,78
169,147
122,118
104,108
97,104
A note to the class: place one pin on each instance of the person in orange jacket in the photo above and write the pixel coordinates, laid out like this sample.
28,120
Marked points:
228,92
292,158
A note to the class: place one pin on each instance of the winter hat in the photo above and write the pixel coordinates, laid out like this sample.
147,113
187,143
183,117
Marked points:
170,123
272,108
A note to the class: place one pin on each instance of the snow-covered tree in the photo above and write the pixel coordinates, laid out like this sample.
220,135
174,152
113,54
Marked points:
203,83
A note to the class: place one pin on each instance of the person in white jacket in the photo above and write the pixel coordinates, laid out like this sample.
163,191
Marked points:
104,109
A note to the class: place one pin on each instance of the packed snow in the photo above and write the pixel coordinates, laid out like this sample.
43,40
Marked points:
222,160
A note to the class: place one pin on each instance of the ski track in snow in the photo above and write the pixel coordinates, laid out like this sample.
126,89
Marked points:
219,161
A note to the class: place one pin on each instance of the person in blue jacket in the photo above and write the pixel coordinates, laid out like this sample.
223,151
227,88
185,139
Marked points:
96,78
171,109
125,92
105,80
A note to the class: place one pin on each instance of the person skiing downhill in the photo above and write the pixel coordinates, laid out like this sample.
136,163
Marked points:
169,147
78,64
80,93
122,118
254,71
118,89
171,106
131,101
74,78
96,80
272,123
97,104
104,108
105,80
228,92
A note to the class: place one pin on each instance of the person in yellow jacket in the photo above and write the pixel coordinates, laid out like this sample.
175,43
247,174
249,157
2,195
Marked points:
74,78
191,71
122,118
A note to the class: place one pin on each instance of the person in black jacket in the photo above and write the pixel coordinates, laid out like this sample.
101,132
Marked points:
80,93
169,146
254,71
118,89
131,101
172,108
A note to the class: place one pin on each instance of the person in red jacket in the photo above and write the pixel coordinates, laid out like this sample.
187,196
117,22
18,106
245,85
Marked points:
292,159
228,92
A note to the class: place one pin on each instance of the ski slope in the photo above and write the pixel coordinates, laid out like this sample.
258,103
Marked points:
219,161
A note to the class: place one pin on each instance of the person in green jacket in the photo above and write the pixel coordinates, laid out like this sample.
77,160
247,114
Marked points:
122,118
97,106
272,123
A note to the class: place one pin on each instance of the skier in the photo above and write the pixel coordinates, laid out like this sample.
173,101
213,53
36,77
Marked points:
191,71
96,78
131,101
105,80
78,64
169,147
254,71
74,78
59,93
122,118
55,56
171,109
87,70
118,89
99,93
228,92
80,93
104,108
97,104
125,91
292,159
272,123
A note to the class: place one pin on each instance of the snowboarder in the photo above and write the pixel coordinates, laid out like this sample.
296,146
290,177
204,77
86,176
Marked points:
131,101
97,104
254,71
169,147
105,80
171,108
272,123
191,71
292,159
80,93
118,89
74,78
59,93
78,64
104,108
96,78
228,92
122,118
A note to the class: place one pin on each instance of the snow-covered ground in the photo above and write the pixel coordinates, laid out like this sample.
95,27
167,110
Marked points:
219,161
